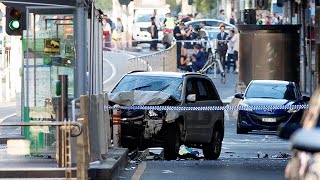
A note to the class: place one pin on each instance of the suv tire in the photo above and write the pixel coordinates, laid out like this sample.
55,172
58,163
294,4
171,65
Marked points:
172,142
211,151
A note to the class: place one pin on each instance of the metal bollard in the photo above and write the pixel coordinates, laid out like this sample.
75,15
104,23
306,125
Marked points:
116,121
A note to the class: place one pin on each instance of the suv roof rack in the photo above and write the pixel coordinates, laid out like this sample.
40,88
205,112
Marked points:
135,71
194,73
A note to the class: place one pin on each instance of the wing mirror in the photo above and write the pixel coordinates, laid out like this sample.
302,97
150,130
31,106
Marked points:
239,95
191,98
305,98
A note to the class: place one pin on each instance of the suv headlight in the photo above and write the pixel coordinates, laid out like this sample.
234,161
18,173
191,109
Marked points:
152,113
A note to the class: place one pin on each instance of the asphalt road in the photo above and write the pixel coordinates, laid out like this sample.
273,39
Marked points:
238,160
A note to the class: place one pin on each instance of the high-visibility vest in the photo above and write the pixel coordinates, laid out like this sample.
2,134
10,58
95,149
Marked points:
170,22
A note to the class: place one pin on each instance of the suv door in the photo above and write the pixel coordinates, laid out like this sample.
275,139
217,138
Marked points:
199,124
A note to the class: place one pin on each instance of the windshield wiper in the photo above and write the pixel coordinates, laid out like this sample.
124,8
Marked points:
164,87
267,97
141,87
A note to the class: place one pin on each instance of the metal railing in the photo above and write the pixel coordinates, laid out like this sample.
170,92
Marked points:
165,60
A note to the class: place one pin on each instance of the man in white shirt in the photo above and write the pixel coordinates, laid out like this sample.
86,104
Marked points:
157,19
230,54
235,45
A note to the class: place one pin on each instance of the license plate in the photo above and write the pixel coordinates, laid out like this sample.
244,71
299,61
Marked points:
269,120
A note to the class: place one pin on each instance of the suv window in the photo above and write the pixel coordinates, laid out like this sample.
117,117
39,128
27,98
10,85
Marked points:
206,91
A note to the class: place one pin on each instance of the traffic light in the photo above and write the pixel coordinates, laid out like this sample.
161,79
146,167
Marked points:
190,2
125,2
13,21
250,16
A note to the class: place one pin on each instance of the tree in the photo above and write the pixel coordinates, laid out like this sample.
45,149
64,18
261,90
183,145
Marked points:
174,7
207,6
103,4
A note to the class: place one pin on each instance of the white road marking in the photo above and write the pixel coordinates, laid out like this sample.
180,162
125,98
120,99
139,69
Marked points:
137,175
167,172
114,71
6,117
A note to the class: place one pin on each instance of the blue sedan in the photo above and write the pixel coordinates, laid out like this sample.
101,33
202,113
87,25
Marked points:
269,93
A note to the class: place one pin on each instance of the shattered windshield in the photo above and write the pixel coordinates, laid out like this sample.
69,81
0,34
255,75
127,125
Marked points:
169,85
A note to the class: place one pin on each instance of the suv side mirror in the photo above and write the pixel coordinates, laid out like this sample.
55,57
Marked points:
239,95
305,98
191,98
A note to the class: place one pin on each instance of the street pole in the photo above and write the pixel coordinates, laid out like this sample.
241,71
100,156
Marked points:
80,41
302,47
127,31
317,26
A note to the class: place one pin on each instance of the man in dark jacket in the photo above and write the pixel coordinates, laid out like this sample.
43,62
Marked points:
179,37
222,45
198,59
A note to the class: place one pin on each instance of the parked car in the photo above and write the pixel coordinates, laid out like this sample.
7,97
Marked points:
269,92
169,129
304,137
209,22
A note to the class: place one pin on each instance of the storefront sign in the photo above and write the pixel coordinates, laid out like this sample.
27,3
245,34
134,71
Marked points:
52,46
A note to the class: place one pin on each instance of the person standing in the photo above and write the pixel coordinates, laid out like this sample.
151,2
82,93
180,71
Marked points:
273,20
157,19
222,45
154,35
222,16
235,45
230,53
179,37
119,29
169,22
233,20
106,31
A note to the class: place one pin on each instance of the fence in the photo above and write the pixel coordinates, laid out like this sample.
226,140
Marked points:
165,60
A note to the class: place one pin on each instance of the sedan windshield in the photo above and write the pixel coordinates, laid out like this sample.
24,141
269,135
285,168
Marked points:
272,91
170,85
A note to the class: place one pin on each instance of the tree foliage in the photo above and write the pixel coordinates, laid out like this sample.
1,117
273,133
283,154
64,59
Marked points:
206,6
174,7
103,4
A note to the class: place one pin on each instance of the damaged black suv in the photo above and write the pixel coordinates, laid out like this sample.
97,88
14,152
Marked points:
169,128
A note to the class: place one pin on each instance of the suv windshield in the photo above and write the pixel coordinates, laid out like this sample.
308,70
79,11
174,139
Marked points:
170,85
272,91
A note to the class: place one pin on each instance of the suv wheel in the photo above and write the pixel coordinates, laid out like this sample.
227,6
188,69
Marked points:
211,151
172,142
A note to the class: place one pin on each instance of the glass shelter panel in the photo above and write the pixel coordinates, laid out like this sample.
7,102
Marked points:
48,46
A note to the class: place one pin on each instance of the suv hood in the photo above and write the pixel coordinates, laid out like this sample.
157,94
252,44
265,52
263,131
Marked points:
136,98
143,98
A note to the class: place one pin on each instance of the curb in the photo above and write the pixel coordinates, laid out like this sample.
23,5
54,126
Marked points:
111,167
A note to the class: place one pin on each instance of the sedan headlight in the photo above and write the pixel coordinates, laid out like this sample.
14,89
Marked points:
246,107
292,110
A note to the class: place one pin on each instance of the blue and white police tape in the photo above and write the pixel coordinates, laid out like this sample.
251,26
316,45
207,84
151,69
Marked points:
207,108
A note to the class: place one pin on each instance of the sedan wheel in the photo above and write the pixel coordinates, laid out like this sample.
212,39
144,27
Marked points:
212,150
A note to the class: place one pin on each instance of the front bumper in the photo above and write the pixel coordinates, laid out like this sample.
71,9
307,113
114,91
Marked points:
253,121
